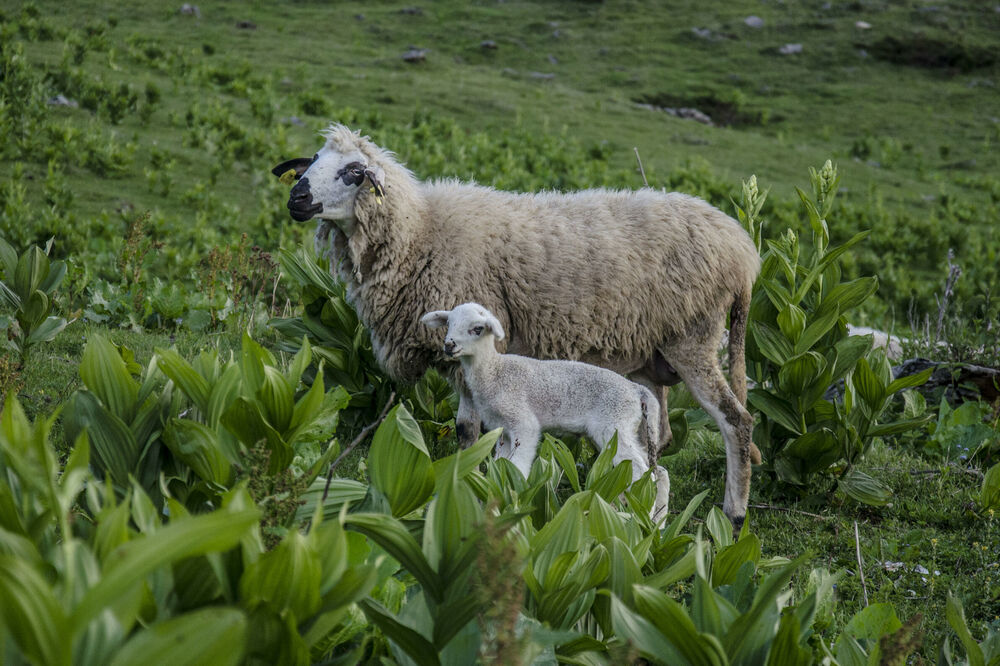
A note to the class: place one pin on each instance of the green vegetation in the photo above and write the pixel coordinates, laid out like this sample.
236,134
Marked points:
180,373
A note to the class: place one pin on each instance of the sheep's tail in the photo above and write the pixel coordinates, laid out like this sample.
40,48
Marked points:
738,316
649,429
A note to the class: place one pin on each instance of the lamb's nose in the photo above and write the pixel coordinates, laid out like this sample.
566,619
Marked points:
449,346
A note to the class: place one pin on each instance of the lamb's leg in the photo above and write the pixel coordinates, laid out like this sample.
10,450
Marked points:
660,391
467,421
521,446
661,505
703,376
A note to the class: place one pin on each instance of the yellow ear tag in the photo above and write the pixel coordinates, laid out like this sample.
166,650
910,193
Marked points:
288,177
378,199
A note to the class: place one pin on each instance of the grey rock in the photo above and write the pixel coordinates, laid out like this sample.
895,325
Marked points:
488,44
246,25
190,10
790,49
293,120
754,22
862,25
542,76
415,55
62,100
552,59
412,11
704,33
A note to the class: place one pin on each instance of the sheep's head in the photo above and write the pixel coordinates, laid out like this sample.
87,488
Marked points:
330,182
471,329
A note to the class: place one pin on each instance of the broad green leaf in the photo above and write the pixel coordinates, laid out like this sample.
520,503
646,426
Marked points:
819,327
399,464
909,381
390,534
800,373
468,459
743,640
450,524
34,615
611,485
113,444
103,372
673,622
955,613
278,399
989,494
896,427
868,385
214,636
847,296
562,455
772,343
198,447
719,527
245,420
827,259
873,622
849,351
47,330
185,378
132,561
675,527
411,642
646,638
32,269
864,488
814,451
792,321
287,578
731,558
34,308
785,649
775,408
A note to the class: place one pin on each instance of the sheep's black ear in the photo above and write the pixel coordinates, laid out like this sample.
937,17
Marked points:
436,319
297,167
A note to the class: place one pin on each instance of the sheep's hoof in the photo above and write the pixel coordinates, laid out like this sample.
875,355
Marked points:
737,524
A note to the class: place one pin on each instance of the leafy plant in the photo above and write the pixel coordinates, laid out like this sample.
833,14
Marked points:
799,348
29,284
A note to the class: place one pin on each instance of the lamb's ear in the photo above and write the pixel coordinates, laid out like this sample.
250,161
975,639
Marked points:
436,319
292,169
376,176
494,325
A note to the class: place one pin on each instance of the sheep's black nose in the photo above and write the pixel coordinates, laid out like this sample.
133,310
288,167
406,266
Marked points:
449,346
301,191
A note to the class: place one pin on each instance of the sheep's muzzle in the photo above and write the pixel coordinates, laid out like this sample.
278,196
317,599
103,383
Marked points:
300,202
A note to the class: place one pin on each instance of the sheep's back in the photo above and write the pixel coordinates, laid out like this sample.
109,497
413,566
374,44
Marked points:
611,272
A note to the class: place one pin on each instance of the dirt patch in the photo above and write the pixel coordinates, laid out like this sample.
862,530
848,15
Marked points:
918,50
721,112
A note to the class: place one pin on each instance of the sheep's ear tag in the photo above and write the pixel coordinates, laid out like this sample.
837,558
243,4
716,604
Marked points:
376,177
288,177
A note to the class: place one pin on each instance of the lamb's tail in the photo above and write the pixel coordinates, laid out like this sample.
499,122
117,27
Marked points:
738,315
649,429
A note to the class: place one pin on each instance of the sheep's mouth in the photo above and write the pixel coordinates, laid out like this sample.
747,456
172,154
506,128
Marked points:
303,213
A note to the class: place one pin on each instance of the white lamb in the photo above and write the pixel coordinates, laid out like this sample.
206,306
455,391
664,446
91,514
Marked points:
525,396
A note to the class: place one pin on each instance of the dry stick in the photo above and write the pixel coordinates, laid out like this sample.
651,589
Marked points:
357,440
768,507
861,568
954,271
641,170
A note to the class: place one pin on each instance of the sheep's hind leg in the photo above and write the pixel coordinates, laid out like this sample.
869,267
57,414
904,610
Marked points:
522,447
703,376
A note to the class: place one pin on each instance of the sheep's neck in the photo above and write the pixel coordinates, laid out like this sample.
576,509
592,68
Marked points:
481,368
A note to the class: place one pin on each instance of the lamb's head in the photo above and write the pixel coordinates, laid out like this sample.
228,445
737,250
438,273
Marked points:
471,329
331,181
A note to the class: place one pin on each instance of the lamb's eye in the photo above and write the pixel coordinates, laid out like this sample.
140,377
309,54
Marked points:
478,330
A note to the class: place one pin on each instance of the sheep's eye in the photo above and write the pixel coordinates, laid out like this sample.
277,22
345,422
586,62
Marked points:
478,330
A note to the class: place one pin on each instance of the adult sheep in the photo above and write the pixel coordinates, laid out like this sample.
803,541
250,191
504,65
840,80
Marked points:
638,282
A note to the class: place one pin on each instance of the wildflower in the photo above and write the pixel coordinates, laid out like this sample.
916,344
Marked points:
934,542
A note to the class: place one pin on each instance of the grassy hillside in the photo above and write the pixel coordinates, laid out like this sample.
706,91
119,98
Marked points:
182,115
